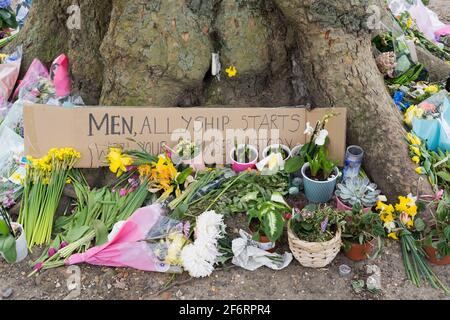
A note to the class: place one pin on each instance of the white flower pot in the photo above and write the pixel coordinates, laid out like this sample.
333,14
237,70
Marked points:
277,146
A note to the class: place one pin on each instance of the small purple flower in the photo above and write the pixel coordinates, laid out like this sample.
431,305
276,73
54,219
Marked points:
5,4
123,192
134,182
51,252
9,201
63,245
38,266
186,229
324,224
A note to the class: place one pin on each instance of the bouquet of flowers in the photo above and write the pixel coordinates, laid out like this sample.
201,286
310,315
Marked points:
43,187
162,175
402,223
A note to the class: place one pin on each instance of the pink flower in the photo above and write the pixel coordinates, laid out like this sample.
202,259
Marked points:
288,216
63,245
51,252
123,192
38,266
428,106
439,194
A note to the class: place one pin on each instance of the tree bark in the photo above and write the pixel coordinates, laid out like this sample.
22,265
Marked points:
287,52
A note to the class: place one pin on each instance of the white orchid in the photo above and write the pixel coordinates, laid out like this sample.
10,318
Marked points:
322,137
309,130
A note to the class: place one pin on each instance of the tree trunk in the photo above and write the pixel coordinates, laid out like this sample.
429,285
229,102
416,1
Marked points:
287,52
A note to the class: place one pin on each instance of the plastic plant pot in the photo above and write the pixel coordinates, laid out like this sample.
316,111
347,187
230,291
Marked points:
240,166
277,147
319,191
296,150
342,206
21,243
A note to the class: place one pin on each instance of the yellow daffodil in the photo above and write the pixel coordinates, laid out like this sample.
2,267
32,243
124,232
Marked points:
118,162
416,151
416,159
393,236
420,170
144,170
413,139
432,89
231,71
409,23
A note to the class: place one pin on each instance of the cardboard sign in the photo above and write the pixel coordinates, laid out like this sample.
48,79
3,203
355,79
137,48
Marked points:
92,130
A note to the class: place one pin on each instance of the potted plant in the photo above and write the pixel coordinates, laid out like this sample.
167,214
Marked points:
362,234
190,154
315,235
278,148
13,243
243,157
437,238
266,220
317,143
319,177
356,191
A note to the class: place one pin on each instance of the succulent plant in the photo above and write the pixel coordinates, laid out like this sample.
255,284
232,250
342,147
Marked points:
358,190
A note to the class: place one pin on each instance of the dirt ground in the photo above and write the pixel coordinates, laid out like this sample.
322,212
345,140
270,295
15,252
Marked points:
294,282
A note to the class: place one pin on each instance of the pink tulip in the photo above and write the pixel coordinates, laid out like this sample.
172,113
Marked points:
51,252
38,266
123,192
63,245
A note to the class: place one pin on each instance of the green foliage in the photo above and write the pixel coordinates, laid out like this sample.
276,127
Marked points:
269,214
317,223
8,19
7,238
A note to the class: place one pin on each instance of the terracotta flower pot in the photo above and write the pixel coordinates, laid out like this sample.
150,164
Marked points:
360,252
431,253
342,206
264,242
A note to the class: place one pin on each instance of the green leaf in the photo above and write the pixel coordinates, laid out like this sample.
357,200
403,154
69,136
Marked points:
101,233
76,234
447,232
278,198
8,248
294,164
4,230
444,175
419,224
180,211
184,175
273,225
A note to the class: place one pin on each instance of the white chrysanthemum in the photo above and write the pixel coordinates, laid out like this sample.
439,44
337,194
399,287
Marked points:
210,226
194,262
199,258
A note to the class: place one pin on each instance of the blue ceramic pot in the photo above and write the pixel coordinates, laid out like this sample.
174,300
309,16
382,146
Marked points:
319,191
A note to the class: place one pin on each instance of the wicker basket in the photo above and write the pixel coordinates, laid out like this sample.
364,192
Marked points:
314,254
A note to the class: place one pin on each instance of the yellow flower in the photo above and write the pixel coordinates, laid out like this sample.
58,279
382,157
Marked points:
231,71
393,236
416,159
432,89
144,170
413,139
420,170
178,241
409,23
68,181
118,162
416,151
406,205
